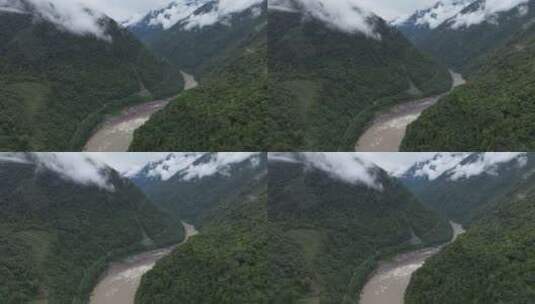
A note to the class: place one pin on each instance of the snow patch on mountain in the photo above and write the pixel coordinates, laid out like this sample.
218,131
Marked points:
487,11
344,15
434,16
435,167
219,163
486,163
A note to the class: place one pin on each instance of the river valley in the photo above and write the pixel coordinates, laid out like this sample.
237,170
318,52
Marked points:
388,129
116,133
392,277
120,283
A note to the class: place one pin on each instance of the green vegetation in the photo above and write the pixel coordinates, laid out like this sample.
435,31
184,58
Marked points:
56,87
228,112
326,85
341,230
493,112
493,263
57,237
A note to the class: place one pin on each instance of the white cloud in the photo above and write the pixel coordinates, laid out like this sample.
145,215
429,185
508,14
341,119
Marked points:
345,15
487,12
74,167
67,15
127,163
486,163
348,167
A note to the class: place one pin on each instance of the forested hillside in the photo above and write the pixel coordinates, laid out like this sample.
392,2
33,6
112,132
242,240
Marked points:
56,86
57,235
342,228
228,112
326,83
494,262
493,112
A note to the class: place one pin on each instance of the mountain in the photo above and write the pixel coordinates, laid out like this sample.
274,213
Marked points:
471,187
227,112
329,77
178,183
465,39
63,218
343,217
493,112
62,70
419,26
196,35
497,252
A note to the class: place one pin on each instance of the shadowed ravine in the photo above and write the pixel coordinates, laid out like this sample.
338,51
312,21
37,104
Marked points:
121,281
390,280
117,132
388,129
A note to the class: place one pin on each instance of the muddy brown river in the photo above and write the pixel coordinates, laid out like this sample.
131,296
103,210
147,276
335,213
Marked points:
117,132
388,129
119,284
390,280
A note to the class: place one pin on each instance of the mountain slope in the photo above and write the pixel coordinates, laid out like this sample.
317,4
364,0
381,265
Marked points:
472,187
228,112
497,252
327,81
59,230
57,84
183,194
343,227
493,112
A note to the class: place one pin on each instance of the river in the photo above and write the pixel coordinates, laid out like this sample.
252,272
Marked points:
116,133
390,280
388,129
119,284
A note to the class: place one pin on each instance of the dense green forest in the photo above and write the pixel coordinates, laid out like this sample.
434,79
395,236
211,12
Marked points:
494,262
55,87
493,112
342,229
326,85
57,236
228,112
239,257
456,198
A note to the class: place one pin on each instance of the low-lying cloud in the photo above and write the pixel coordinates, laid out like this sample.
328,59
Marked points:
487,12
68,15
344,15
74,167
347,167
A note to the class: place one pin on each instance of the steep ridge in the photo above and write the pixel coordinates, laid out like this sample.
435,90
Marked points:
61,225
343,224
227,112
472,186
328,79
497,252
57,83
493,112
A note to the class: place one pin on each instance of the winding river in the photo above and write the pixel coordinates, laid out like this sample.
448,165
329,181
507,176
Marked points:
120,282
116,133
390,280
388,129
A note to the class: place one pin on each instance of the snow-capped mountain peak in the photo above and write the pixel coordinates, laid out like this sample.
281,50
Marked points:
486,10
433,16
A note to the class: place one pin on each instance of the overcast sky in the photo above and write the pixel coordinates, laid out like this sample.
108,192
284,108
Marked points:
123,9
124,162
393,162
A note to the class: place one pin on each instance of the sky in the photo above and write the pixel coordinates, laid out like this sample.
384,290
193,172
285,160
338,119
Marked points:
121,10
125,162
392,9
